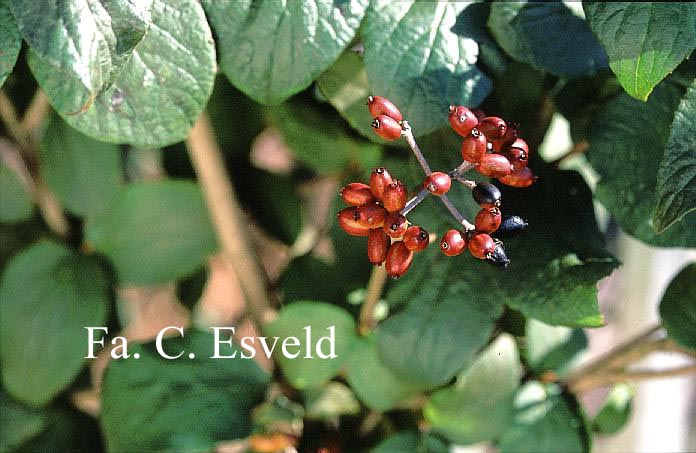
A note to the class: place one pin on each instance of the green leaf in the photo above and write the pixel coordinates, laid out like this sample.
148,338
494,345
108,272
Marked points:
412,442
676,177
309,322
677,308
627,142
154,404
10,41
155,232
645,41
615,411
84,173
160,91
86,44
548,36
271,50
553,348
479,406
414,58
15,203
18,423
330,402
545,421
308,277
48,294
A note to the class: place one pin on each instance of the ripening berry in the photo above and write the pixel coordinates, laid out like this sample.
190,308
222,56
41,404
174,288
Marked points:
395,196
462,120
383,106
348,222
438,183
493,128
511,226
486,195
506,140
518,157
379,180
386,127
398,260
488,220
498,257
453,242
377,246
481,245
395,225
494,166
521,178
356,194
474,146
416,239
370,215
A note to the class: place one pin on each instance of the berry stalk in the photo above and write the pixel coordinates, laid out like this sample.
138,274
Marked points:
415,201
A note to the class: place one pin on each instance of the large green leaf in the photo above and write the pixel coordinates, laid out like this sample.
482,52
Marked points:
627,143
677,308
553,348
10,41
85,43
15,203
160,91
151,403
155,232
271,50
676,178
645,41
84,173
414,58
548,36
479,406
48,294
18,423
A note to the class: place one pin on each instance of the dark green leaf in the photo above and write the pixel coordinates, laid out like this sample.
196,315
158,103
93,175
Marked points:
479,406
548,36
18,423
155,232
645,41
15,204
676,178
411,442
161,90
615,411
84,173
553,348
677,308
308,277
414,58
271,50
48,295
10,41
152,403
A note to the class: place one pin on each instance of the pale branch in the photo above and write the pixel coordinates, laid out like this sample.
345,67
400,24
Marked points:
375,287
600,380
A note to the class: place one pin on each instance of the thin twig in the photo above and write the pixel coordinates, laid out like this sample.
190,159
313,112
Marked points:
457,215
602,380
36,112
375,287
415,201
407,133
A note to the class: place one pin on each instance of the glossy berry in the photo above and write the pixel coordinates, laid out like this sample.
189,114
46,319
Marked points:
486,195
356,194
494,166
498,257
395,225
474,146
370,215
379,180
395,196
481,245
453,243
377,246
416,239
462,120
493,128
521,178
511,226
348,222
398,260
386,127
518,157
488,220
506,140
438,183
383,106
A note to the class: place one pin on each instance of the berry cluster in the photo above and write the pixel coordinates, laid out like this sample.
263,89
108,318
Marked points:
379,210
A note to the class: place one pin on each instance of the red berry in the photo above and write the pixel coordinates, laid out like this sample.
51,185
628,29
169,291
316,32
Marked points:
356,194
438,183
383,106
521,144
518,157
416,239
486,195
386,127
453,243
488,220
494,166
377,246
395,225
493,128
524,177
398,260
462,120
379,180
370,215
480,114
481,245
347,221
506,140
395,196
474,146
